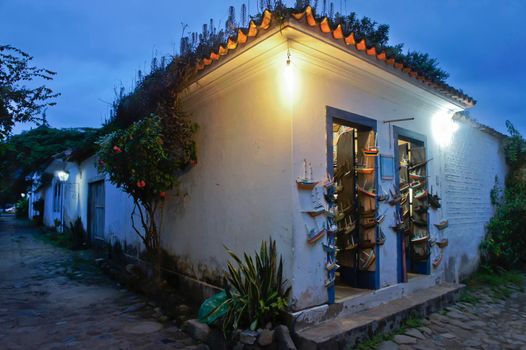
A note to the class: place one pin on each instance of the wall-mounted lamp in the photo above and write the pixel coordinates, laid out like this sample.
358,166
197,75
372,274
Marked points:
444,128
62,175
289,80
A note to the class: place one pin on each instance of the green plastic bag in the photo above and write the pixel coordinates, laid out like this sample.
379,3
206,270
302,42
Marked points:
213,308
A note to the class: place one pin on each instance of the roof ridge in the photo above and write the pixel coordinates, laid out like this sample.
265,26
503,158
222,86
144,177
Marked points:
324,25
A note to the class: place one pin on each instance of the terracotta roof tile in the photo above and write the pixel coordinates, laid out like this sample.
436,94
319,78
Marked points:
307,17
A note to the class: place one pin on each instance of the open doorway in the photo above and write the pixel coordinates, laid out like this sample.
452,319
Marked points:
413,208
353,164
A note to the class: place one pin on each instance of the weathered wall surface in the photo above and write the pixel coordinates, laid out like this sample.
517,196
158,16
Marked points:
471,164
239,193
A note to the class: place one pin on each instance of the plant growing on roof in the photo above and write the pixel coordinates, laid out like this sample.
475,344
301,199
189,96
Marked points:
145,163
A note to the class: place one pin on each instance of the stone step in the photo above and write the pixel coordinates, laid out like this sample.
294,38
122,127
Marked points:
345,332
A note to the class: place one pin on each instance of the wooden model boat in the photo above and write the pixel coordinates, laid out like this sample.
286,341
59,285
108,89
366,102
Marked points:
380,237
420,239
442,243
419,165
419,223
314,235
367,258
434,200
437,260
349,227
332,265
421,194
367,223
421,209
352,245
330,281
396,196
363,169
330,248
417,177
370,192
417,183
306,182
404,187
372,150
442,225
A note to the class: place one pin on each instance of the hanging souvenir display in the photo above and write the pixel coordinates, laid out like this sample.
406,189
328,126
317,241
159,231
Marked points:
306,182
442,225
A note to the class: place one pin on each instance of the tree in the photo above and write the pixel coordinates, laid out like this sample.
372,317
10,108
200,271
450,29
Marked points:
19,103
144,163
26,152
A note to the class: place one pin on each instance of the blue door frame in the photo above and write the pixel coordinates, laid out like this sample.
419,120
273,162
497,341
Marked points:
369,280
413,137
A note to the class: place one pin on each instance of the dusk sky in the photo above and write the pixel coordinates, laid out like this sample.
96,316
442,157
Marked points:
97,45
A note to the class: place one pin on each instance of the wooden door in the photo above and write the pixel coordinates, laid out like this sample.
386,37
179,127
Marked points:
96,210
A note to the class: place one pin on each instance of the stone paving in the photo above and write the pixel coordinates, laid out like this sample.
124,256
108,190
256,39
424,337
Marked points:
490,324
53,298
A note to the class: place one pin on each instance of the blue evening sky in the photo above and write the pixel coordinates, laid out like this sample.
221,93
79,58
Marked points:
97,45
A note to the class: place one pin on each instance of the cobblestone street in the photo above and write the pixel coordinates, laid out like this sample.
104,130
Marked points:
489,324
53,298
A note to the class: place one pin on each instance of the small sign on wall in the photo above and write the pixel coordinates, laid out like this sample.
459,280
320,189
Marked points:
387,168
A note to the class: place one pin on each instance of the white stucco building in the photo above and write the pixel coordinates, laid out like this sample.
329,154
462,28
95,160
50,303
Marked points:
281,95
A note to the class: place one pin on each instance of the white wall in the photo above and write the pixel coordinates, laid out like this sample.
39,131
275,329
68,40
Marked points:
471,164
239,193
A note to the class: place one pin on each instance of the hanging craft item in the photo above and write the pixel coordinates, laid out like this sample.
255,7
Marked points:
331,265
348,226
421,252
306,182
396,197
437,260
383,196
442,243
417,183
420,238
404,187
364,169
421,209
399,225
330,248
367,258
372,151
434,200
405,198
419,165
314,234
367,223
380,218
419,223
442,225
417,177
421,194
351,245
380,237
370,192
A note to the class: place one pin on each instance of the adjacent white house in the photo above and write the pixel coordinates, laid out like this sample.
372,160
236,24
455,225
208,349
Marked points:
298,99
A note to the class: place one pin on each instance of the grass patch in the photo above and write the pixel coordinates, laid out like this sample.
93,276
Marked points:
468,298
375,341
499,283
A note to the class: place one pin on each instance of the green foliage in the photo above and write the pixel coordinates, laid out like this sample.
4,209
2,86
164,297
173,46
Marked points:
496,279
77,235
505,241
39,207
18,102
256,291
198,45
144,160
26,152
22,207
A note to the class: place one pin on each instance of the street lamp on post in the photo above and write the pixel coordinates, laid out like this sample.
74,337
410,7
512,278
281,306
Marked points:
63,176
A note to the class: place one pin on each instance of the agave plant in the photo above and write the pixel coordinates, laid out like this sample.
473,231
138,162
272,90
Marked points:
256,292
